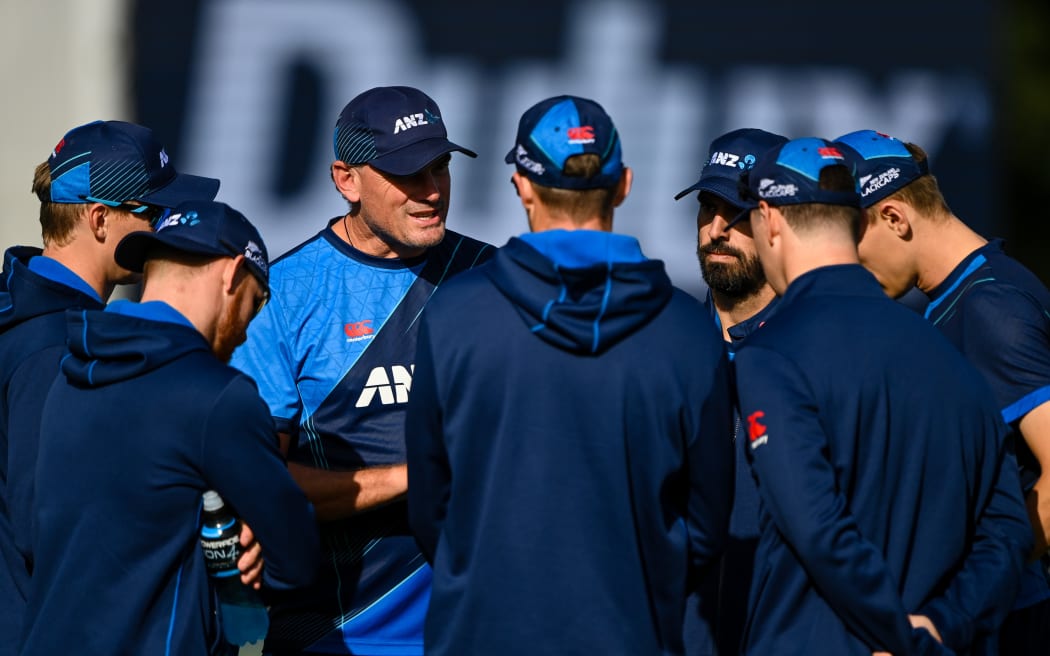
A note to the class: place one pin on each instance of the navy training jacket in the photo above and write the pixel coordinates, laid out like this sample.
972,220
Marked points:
32,341
569,451
143,421
886,481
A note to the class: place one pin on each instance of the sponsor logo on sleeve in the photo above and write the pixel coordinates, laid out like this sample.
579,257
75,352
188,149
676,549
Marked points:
757,434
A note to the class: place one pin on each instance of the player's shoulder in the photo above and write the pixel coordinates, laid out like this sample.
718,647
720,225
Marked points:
304,254
225,385
459,252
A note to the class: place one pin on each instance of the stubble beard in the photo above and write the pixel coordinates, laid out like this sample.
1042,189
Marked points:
229,334
739,280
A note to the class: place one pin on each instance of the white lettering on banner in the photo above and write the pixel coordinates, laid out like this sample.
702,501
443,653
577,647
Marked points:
666,114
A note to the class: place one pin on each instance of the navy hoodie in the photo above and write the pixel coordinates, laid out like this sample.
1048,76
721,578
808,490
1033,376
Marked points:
143,421
884,474
32,341
569,451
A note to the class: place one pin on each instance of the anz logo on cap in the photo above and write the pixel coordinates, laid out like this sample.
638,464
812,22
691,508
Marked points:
732,160
415,120
188,219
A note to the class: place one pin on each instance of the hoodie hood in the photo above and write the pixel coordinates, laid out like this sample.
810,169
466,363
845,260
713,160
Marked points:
581,291
125,341
25,294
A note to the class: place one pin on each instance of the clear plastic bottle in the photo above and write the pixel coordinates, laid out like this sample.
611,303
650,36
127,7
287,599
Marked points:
244,617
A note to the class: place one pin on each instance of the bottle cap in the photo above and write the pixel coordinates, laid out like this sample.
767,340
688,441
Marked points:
212,501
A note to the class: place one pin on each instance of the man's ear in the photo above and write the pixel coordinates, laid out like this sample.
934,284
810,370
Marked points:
896,216
774,221
623,187
347,180
233,272
526,193
98,217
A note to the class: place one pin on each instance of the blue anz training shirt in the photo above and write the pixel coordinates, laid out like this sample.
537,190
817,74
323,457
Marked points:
333,354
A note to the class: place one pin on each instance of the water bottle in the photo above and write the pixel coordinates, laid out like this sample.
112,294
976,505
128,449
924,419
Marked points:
244,617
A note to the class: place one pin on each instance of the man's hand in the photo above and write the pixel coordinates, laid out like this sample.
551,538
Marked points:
251,561
923,622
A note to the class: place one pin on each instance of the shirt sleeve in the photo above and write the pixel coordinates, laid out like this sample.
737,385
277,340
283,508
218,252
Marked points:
266,357
241,461
798,488
1006,335
429,472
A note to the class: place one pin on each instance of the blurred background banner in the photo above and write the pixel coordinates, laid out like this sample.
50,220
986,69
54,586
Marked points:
248,91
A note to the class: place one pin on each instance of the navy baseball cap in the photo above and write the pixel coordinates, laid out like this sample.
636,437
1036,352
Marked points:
789,174
882,165
112,162
552,131
731,154
200,228
397,130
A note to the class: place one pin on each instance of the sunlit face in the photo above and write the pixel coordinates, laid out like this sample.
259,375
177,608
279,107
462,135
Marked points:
728,259
883,253
407,213
232,329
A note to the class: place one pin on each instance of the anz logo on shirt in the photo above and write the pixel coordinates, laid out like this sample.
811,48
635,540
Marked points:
390,388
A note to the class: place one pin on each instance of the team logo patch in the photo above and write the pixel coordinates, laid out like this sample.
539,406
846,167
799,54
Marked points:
757,433
254,253
581,135
521,156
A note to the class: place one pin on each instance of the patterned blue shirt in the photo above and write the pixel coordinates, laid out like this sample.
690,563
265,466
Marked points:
333,355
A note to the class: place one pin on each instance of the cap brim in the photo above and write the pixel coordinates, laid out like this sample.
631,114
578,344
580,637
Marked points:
724,188
744,214
183,187
133,250
415,157
685,192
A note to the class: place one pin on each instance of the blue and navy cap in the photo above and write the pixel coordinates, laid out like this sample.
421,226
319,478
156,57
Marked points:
200,228
112,162
554,130
397,130
789,174
882,165
731,154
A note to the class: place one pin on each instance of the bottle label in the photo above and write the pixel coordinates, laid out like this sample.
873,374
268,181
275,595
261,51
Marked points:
221,549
